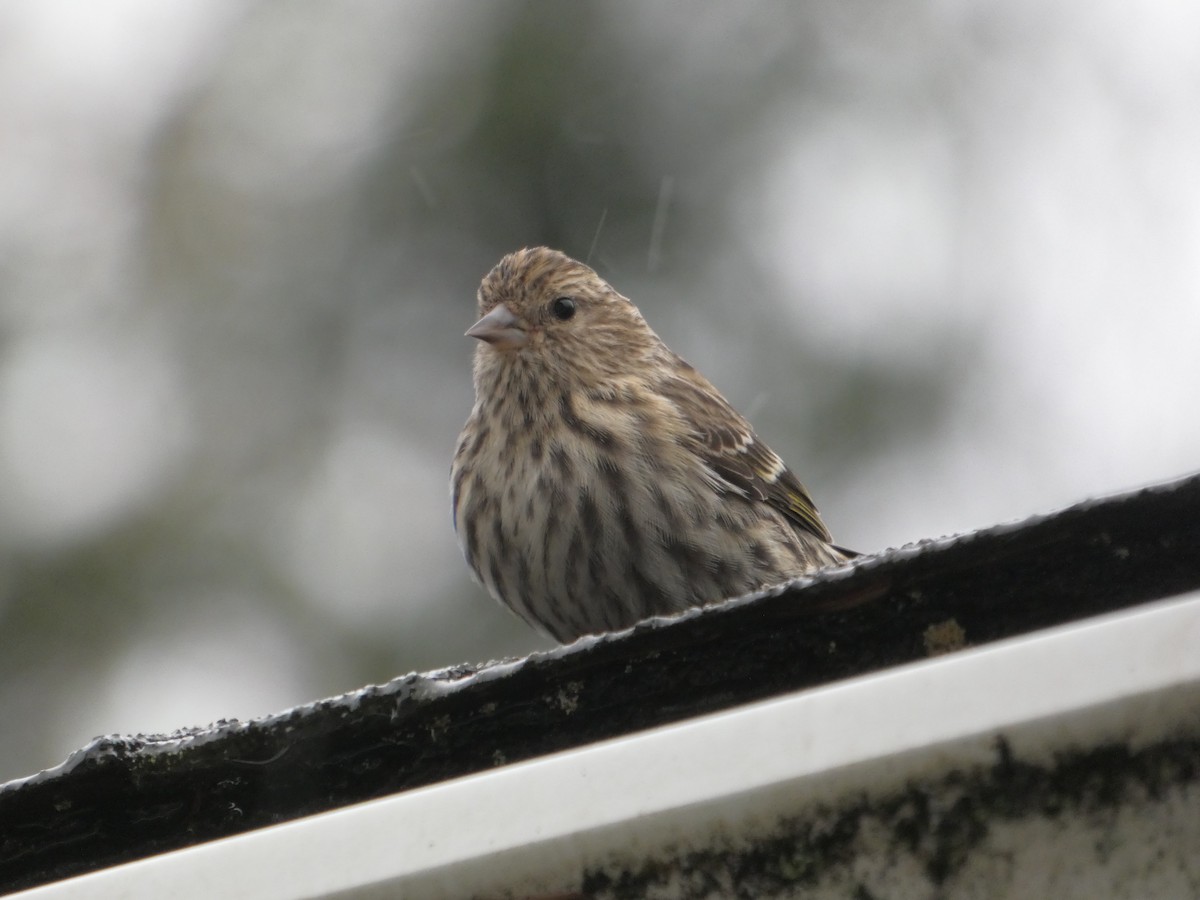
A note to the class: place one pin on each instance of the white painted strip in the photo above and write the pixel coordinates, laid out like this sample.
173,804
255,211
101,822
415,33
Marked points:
554,802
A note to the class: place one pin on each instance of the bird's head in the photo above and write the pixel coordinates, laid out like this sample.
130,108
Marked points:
549,311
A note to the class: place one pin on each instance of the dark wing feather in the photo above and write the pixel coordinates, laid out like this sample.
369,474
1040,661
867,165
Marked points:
728,445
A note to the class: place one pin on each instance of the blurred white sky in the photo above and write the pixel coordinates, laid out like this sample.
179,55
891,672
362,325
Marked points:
1073,240
1052,201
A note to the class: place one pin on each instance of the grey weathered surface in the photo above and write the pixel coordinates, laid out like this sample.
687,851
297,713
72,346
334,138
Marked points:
1114,820
123,798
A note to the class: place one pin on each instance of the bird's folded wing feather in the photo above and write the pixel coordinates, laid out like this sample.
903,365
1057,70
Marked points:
730,448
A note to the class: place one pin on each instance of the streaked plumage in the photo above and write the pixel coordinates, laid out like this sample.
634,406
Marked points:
600,479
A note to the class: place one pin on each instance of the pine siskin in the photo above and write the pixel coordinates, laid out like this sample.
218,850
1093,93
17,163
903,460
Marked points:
600,479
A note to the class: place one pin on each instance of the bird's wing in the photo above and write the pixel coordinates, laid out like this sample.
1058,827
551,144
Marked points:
730,448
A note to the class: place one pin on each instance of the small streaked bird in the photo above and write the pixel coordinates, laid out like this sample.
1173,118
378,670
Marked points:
600,479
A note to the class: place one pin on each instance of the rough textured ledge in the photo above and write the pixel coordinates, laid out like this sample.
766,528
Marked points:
121,798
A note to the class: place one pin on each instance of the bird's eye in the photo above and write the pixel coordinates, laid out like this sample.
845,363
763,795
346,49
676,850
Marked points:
562,308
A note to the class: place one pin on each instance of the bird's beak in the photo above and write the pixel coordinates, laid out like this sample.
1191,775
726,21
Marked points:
500,328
